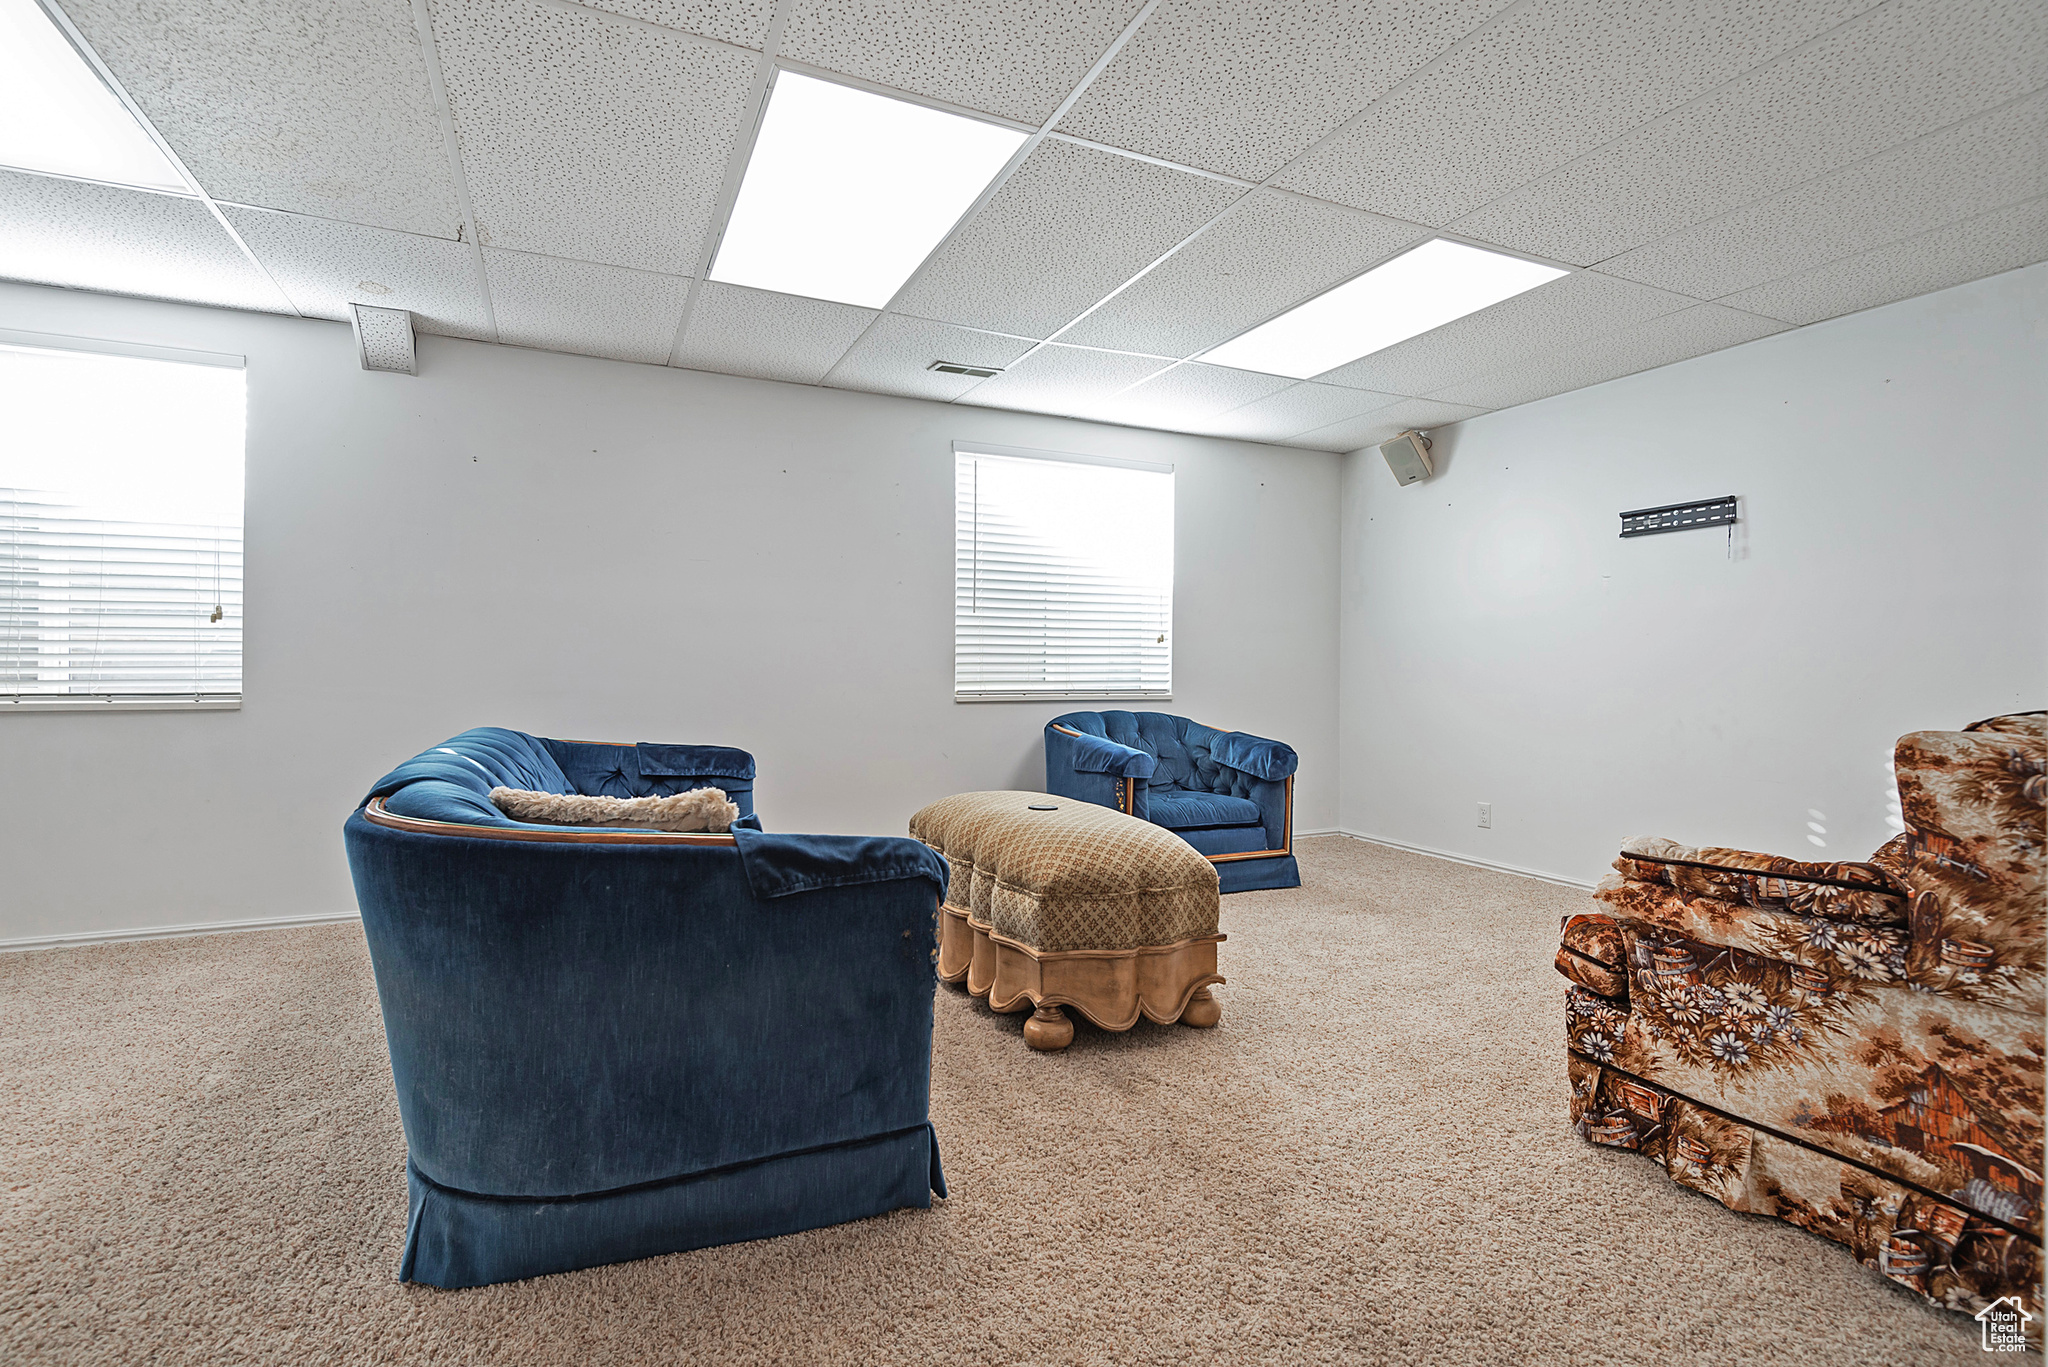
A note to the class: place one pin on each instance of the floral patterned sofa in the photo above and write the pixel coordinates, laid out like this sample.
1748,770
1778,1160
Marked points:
1853,1047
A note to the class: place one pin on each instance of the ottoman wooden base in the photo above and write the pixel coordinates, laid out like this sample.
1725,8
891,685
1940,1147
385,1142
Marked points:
1111,987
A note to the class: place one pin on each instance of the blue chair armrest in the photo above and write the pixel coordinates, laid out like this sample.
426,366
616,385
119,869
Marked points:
1095,755
1090,769
1266,759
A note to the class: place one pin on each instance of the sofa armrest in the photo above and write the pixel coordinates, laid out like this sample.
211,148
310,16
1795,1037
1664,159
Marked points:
1254,755
1086,754
1592,953
711,1027
1855,893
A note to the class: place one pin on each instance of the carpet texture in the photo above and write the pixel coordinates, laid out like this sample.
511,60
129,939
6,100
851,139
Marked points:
1368,1161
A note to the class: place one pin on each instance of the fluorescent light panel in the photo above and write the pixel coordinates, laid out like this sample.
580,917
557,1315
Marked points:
57,115
847,192
1418,290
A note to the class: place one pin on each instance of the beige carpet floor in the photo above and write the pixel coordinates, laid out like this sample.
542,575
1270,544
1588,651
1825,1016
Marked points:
1368,1161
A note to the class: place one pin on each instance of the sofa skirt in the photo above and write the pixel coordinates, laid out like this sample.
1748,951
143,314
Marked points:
456,1239
1936,1248
1258,875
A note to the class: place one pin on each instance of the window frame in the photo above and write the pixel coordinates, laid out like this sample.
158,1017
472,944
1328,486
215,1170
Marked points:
19,703
983,448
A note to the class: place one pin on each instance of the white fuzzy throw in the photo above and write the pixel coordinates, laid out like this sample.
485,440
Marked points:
700,809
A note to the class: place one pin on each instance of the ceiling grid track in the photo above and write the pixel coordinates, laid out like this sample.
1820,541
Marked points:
1689,257
1677,109
1948,127
1910,237
423,22
1448,231
1254,187
1002,177
773,43
1128,155
735,167
57,16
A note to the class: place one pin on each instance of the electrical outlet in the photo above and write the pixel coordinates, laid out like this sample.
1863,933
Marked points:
1486,815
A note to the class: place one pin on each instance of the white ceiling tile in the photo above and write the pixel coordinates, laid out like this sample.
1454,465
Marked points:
1067,380
578,306
1961,172
1296,409
97,237
1567,312
739,331
316,106
1240,88
1070,226
1270,252
586,137
1382,424
895,356
1953,255
325,266
1547,83
1015,59
1899,71
1645,346
1191,395
732,21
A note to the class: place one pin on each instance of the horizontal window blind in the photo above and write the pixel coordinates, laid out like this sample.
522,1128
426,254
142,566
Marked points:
120,530
98,607
1063,579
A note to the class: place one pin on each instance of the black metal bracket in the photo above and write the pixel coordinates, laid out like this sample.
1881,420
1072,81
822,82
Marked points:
1672,517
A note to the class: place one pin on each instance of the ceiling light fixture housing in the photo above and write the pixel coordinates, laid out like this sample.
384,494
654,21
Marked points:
847,192
57,116
1421,289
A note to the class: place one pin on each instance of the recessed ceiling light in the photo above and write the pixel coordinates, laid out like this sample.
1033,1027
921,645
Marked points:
847,192
1416,291
57,115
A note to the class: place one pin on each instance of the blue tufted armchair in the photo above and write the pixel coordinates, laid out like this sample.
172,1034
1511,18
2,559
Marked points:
610,1044
1229,795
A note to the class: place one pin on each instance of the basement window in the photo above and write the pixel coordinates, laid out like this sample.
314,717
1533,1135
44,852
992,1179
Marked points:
1063,577
120,526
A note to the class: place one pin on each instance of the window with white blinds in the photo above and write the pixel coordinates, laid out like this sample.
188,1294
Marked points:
1063,578
120,526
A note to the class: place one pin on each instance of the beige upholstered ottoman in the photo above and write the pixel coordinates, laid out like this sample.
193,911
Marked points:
1060,903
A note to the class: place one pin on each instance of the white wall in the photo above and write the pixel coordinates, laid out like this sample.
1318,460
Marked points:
1501,644
587,548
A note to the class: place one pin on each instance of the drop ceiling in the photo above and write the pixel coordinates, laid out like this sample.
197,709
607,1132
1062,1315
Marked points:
548,174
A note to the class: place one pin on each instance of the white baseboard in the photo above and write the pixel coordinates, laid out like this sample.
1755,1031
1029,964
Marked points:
109,937
112,937
1467,859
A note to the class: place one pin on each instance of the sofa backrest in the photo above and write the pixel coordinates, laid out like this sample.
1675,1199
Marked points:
1181,747
651,770
1976,835
453,780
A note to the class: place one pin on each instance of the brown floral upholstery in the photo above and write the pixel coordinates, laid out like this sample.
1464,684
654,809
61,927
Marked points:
1855,1048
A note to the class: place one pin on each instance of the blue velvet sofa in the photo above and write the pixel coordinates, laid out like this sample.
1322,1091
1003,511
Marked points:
1229,795
608,1043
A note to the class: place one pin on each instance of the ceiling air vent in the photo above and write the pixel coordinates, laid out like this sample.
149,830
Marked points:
956,368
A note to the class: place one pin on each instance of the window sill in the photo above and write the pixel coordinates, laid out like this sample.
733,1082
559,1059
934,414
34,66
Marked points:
97,703
1063,697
